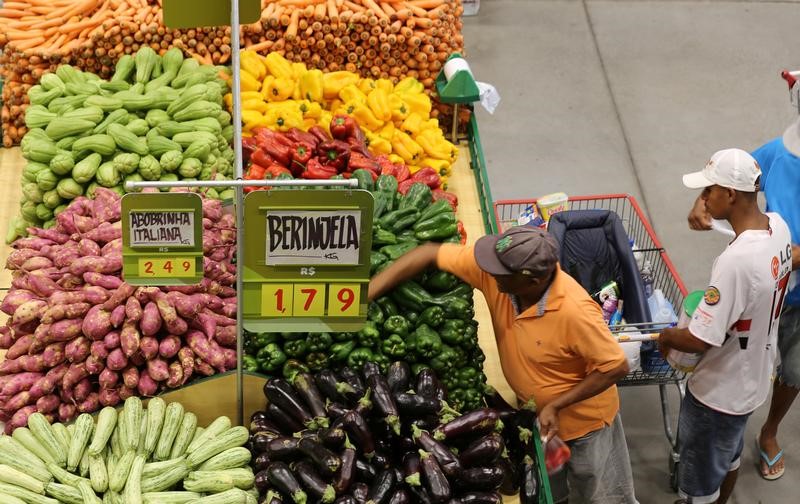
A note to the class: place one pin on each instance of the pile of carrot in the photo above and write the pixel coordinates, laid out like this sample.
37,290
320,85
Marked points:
377,38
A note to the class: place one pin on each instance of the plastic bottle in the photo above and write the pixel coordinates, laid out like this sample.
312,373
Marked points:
661,310
647,278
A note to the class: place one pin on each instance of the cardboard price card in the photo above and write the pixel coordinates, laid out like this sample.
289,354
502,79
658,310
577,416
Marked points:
162,238
306,263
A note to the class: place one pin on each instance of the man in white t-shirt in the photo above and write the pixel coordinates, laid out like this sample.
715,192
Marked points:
735,327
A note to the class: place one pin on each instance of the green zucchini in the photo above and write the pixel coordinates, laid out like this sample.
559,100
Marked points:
26,438
98,473
106,422
64,493
173,417
185,434
236,436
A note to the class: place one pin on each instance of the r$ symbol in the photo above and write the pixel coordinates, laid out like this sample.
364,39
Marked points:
307,271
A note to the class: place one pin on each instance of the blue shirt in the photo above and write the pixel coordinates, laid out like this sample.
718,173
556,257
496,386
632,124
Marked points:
780,181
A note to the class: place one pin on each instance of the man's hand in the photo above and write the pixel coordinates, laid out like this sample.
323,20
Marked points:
699,219
548,422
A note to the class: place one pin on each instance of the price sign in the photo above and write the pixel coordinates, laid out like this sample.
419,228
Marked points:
162,238
194,13
306,263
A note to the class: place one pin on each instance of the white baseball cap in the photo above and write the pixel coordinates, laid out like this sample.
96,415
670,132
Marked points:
731,168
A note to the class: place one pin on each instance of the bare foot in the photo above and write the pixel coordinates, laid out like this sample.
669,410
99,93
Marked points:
769,445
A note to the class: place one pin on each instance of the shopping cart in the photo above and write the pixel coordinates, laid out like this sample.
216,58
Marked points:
665,278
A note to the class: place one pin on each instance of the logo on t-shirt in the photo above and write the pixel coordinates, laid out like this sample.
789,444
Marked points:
776,264
711,296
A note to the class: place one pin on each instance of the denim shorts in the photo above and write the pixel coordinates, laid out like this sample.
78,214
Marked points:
789,346
710,445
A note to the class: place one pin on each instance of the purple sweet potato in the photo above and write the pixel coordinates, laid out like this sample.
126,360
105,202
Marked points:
28,311
103,265
106,205
137,359
94,365
41,284
109,282
112,248
133,309
20,347
87,247
65,311
147,386
118,316
19,382
63,258
17,258
186,356
129,338
229,309
84,224
47,385
108,379
14,299
68,281
95,295
149,347
105,232
116,360
126,392
130,376
49,234
109,397
202,347
111,340
7,340
53,354
35,363
48,403
158,369
169,346
92,403
175,379
97,323
32,243
67,297
230,358
19,419
66,222
67,412
19,400
78,349
66,395
99,350
203,367
187,306
226,336
212,209
65,330
10,366
205,323
151,320
36,263
41,337
119,296
173,323
82,389
75,373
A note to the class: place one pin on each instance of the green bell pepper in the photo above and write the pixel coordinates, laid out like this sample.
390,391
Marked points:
359,356
317,361
437,233
406,236
394,346
388,220
432,316
412,318
460,357
411,295
397,324
405,223
388,306
419,366
444,361
291,336
427,342
270,358
436,221
319,341
292,368
455,307
250,363
472,399
383,237
296,348
383,203
375,313
451,333
418,197
382,361
387,184
442,281
376,259
263,339
396,251
344,336
364,178
370,335
340,351
435,208
469,377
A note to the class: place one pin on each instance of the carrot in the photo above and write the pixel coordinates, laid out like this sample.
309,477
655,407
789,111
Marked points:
354,6
333,10
425,4
291,30
321,11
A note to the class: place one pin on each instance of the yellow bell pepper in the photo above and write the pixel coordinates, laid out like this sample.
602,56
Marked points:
387,131
377,144
430,124
278,66
378,102
409,85
228,100
253,64
265,86
311,86
351,93
418,102
258,105
412,124
405,147
366,85
308,123
310,110
298,70
366,118
324,121
251,95
435,146
252,119
442,166
443,183
386,85
412,169
249,82
399,108
283,118
279,89
333,82
394,158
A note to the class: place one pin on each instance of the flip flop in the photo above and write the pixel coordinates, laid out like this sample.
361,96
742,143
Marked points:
770,463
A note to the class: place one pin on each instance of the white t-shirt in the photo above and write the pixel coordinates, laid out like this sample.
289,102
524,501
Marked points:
739,317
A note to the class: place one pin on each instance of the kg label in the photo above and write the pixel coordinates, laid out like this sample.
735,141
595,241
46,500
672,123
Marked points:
313,237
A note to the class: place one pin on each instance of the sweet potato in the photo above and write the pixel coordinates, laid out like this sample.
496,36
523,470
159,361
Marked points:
133,309
48,403
105,264
66,395
137,359
112,248
47,385
173,323
111,340
108,379
202,347
67,412
19,400
118,316
187,306
158,369
84,224
20,347
18,383
105,232
66,222
36,363
28,311
92,403
36,263
226,336
53,354
87,247
65,297
230,358
106,205
19,257
130,376
109,282
96,323
95,295
82,389
14,299
175,375
147,386
94,365
149,347
68,281
99,350
49,234
65,311
10,366
7,340
41,284
20,280
19,419
119,296
116,360
229,308
32,243
151,319
169,346
129,338
186,357
212,209
65,330
63,258
203,367
125,392
75,373
109,397
78,349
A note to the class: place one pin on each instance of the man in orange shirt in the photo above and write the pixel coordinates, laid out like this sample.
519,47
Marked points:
553,345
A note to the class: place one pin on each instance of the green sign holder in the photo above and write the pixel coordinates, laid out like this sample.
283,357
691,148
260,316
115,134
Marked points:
299,276
199,13
460,88
162,239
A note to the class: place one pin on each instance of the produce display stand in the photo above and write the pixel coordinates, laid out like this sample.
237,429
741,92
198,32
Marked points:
665,277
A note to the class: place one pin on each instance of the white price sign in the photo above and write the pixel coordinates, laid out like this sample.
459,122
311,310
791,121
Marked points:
313,237
162,228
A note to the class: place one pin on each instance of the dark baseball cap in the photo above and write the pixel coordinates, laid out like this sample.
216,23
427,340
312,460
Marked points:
521,249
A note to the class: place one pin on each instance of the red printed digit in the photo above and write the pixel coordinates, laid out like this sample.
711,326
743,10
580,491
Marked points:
148,267
310,295
186,266
168,266
346,297
279,299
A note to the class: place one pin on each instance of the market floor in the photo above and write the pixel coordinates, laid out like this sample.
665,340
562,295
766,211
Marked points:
623,96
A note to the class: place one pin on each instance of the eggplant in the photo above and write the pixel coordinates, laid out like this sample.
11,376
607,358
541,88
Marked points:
403,444
260,440
426,423
435,479
285,423
352,378
428,385
398,475
324,459
312,482
283,448
333,437
360,492
262,481
476,423
381,489
347,471
365,471
336,410
400,496
529,487
411,469
371,369
273,497
329,385
511,476
308,434
308,391
382,397
282,478
494,400
449,463
482,451
364,404
346,499
261,462
258,415
381,460
281,392
398,377
421,496
355,425
481,478
478,498
259,421
417,405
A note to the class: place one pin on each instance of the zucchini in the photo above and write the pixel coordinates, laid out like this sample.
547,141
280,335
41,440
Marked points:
13,454
155,468
156,409
165,480
62,476
214,429
83,466
13,476
116,440
118,478
186,432
169,497
133,491
173,418
64,493
106,421
98,473
236,436
218,481
229,459
25,495
89,497
232,496
59,429
8,499
32,442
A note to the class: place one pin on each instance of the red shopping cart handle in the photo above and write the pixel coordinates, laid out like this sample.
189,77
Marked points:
789,77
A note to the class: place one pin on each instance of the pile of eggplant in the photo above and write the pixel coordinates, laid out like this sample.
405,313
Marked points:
353,437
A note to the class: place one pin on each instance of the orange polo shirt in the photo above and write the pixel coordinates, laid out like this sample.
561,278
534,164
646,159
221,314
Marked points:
549,348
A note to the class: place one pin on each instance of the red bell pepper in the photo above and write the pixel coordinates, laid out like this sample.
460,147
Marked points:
297,135
260,157
401,172
360,162
462,232
320,134
249,144
334,153
405,185
316,170
343,126
450,197
427,176
274,169
256,172
302,153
